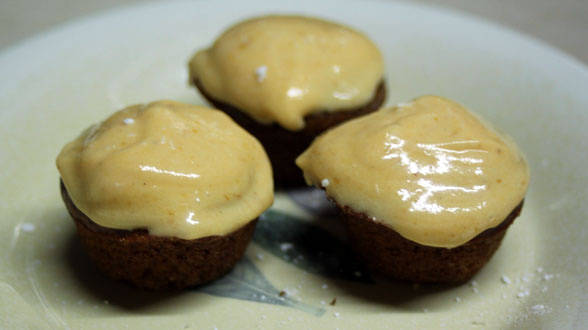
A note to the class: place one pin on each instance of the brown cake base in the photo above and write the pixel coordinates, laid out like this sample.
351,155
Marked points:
384,251
155,262
282,145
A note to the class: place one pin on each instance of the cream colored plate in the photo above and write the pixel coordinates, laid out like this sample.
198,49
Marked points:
53,86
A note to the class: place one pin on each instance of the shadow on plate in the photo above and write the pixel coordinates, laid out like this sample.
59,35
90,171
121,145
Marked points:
314,246
104,289
320,247
389,295
244,282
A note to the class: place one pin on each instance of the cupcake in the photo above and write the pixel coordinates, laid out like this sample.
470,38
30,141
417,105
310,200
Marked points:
427,190
286,79
165,195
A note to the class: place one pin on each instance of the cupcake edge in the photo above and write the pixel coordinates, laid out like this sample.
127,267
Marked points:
386,252
155,262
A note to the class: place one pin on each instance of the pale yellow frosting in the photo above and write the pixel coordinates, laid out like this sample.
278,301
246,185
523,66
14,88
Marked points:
175,169
430,170
281,68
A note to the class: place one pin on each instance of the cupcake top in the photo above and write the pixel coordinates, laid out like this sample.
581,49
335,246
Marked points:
174,169
281,68
430,170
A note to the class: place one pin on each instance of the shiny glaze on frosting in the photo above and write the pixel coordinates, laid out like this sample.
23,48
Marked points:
281,68
175,169
430,169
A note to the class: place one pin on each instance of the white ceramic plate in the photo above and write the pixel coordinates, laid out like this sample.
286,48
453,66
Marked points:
54,85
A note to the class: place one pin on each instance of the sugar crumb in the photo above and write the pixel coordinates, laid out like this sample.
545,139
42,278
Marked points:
523,294
505,279
261,73
27,227
325,183
538,309
286,246
128,121
290,292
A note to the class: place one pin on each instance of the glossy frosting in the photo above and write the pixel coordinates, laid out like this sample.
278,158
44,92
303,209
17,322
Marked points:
175,169
281,68
429,169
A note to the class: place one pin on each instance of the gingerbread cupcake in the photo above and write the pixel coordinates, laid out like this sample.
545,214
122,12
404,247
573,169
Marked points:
286,79
165,194
427,190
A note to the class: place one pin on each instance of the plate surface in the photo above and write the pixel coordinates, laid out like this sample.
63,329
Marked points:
56,84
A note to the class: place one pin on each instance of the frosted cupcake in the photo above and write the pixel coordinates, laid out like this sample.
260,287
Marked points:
165,194
427,190
286,79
